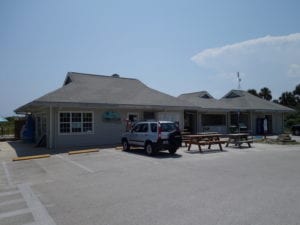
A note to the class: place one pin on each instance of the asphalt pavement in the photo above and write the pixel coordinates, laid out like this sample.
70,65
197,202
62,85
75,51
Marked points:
258,185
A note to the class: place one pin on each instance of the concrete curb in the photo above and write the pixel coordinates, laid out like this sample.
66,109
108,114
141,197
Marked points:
82,151
31,157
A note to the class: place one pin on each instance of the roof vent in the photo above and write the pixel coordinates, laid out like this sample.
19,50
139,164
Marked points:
232,95
115,75
205,96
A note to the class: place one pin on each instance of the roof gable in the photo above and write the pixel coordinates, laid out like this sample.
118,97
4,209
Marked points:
201,99
110,90
232,95
242,100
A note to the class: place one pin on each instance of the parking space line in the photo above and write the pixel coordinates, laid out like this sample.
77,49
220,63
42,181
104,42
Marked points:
37,209
7,174
33,223
11,202
141,157
75,163
8,193
14,213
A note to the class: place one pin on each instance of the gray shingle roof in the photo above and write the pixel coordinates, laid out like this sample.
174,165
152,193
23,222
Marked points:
242,100
233,100
92,89
98,89
202,99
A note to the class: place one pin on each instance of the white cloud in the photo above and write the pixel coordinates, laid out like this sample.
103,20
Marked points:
272,61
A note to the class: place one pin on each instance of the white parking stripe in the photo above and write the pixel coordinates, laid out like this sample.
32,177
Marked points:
14,213
8,193
142,157
75,163
12,201
7,174
37,209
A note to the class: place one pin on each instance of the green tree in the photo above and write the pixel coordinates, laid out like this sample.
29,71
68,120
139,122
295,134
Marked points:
288,99
265,93
253,92
297,90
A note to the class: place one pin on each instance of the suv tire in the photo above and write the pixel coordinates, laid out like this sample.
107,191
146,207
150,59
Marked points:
149,149
172,151
126,146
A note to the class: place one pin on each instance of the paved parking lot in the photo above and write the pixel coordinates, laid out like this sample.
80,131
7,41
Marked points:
259,185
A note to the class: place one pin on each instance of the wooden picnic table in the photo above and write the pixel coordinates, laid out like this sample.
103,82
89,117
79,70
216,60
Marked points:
238,139
204,139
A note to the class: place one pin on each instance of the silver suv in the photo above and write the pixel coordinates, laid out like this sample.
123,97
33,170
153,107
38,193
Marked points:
153,136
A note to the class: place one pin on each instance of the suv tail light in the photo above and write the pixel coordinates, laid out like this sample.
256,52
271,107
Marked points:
159,131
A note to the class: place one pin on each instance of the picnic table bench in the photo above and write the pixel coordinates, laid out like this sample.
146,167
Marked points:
238,139
204,139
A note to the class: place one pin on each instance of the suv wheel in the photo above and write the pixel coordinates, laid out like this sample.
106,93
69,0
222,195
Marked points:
149,149
126,146
172,151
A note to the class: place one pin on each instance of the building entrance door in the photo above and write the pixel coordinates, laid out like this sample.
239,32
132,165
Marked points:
190,121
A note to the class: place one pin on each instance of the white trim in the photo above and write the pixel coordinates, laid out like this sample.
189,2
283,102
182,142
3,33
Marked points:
76,133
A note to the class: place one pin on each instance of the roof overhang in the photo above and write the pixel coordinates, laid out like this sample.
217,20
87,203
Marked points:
39,106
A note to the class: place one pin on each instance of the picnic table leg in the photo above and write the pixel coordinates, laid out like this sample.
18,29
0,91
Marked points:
227,143
220,145
199,146
190,144
249,145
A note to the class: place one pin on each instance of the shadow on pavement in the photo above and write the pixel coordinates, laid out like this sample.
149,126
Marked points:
205,151
22,148
159,155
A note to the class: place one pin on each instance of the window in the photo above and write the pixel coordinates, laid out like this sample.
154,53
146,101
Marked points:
149,115
241,118
168,127
144,128
213,120
141,128
137,128
75,122
153,127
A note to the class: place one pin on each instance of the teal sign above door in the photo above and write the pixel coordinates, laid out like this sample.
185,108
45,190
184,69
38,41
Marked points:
111,116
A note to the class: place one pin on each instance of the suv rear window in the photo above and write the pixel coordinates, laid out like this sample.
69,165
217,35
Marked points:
153,127
168,127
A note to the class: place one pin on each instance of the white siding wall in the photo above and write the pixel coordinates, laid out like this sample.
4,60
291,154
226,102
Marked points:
105,133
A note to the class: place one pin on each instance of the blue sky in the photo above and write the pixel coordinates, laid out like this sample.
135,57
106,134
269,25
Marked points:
172,46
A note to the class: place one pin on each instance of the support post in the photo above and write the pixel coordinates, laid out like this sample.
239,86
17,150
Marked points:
50,127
